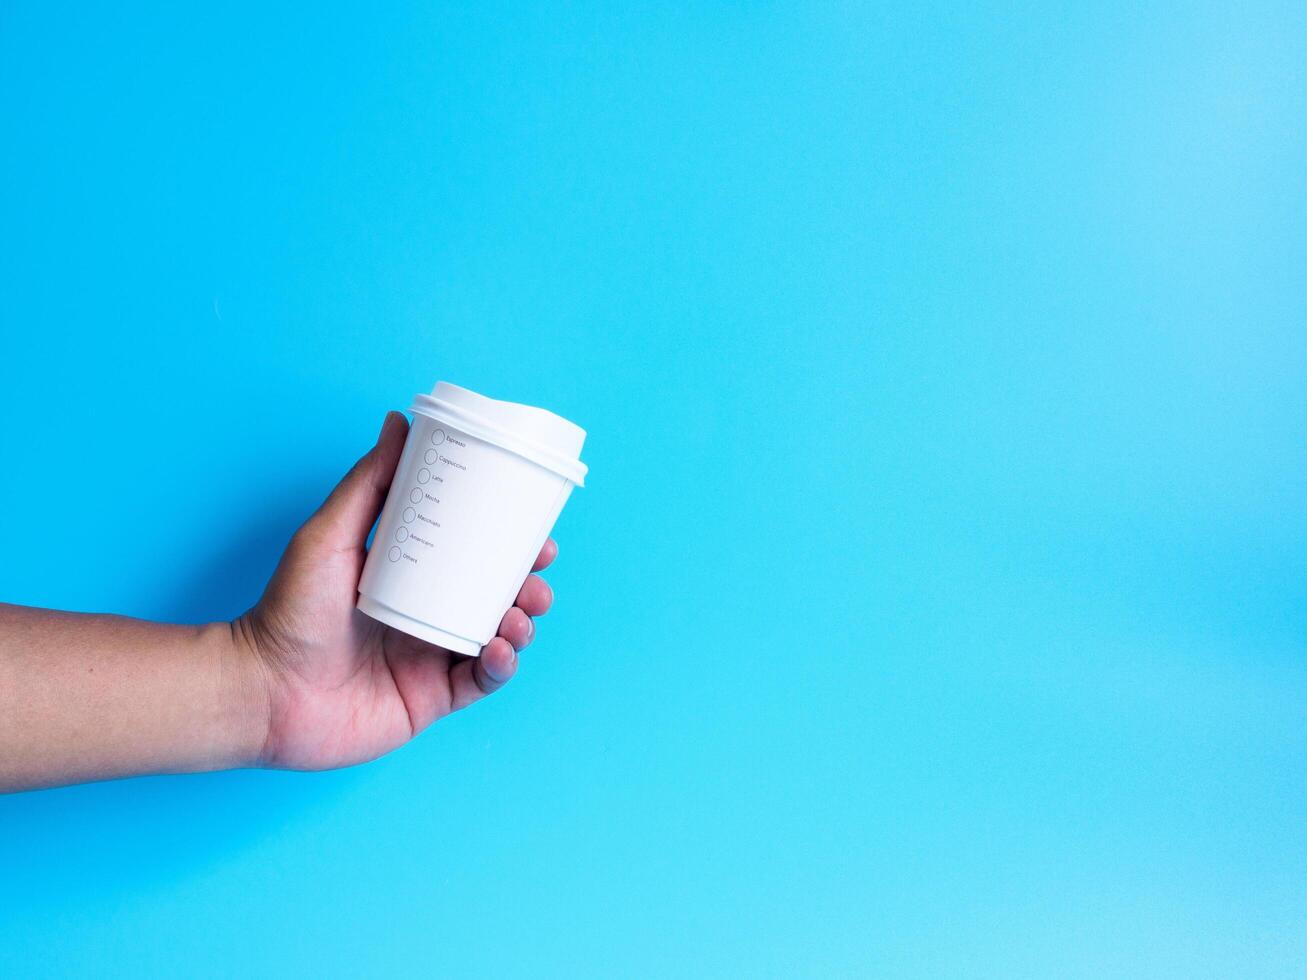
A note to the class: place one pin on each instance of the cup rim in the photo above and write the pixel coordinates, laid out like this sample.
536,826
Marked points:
475,424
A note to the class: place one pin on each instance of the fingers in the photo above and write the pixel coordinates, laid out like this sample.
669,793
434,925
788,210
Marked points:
535,597
547,554
517,628
475,677
344,520
472,679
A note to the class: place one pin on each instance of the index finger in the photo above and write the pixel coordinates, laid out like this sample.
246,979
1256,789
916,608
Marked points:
547,554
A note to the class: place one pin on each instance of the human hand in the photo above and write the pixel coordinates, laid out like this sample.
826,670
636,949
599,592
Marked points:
340,687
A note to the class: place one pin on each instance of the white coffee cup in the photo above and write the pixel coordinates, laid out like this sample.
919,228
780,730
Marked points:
478,488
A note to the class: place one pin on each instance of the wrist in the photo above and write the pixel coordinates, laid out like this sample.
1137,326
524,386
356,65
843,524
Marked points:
243,679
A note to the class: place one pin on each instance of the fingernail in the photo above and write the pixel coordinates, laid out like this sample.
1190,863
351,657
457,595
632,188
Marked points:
385,424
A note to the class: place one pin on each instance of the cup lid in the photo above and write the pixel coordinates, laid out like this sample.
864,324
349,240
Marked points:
534,433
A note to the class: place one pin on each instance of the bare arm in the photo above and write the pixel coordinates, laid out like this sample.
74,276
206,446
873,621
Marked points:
94,697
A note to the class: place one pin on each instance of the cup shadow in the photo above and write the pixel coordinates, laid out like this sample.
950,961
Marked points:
84,843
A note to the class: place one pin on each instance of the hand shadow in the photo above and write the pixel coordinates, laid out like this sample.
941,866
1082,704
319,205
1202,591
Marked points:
86,843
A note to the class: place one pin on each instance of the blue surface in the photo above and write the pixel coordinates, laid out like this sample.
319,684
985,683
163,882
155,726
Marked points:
937,605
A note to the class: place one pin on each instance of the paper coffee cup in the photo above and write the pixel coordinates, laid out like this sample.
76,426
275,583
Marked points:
477,491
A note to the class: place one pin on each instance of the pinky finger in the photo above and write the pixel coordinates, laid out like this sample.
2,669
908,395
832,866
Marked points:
472,679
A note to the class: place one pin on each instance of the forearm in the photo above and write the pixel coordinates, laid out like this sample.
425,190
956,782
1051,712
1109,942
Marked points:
86,697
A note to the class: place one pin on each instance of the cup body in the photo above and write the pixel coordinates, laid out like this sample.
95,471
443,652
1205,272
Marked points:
461,527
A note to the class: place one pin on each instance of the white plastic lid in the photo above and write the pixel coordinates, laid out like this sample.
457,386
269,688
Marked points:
533,433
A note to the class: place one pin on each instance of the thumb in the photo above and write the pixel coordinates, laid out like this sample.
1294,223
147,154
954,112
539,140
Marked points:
343,521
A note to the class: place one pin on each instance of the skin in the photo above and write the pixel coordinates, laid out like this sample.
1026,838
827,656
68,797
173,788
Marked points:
301,681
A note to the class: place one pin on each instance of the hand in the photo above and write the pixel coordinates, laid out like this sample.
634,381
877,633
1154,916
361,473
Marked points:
341,687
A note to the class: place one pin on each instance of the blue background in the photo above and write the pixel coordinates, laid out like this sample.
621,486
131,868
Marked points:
938,602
